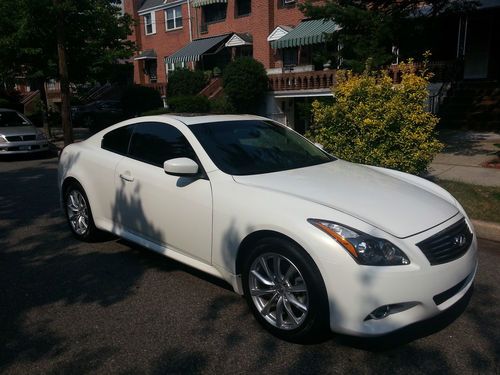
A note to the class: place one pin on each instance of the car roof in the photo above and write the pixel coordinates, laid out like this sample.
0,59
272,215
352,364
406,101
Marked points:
193,119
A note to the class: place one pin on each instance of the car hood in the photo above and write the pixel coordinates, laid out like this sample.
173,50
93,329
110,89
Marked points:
392,205
17,130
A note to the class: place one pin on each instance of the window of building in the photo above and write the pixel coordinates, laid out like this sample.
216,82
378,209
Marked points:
150,23
173,17
243,7
214,12
286,3
155,143
174,66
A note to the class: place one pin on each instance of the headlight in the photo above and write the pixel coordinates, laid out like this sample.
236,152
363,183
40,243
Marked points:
40,136
365,249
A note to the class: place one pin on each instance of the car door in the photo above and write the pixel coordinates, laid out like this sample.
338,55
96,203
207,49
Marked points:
171,211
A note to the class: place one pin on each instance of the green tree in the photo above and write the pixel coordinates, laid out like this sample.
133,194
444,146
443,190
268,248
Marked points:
69,40
245,83
373,121
185,82
369,29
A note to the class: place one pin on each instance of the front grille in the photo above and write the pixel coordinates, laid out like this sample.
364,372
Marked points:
447,245
20,138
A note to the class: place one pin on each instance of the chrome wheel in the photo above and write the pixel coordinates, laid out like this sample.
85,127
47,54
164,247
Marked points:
77,209
278,291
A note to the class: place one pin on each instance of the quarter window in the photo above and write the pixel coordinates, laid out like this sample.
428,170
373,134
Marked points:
118,140
173,18
155,143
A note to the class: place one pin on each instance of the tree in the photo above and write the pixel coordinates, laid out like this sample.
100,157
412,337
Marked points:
185,82
372,121
369,29
245,83
46,39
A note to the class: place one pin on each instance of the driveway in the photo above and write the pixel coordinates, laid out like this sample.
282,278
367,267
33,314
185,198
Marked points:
113,307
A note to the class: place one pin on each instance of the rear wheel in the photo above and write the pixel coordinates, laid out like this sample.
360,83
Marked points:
285,291
79,214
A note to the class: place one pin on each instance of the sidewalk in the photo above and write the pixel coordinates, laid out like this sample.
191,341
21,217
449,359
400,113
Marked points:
464,156
57,140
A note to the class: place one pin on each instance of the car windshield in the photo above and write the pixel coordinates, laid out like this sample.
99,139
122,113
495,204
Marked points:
254,146
11,119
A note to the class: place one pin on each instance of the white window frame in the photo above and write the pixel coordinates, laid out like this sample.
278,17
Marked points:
153,23
176,11
170,67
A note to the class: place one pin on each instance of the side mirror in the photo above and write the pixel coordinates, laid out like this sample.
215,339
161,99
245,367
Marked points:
182,167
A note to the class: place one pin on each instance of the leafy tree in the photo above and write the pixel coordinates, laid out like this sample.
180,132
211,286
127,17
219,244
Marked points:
138,99
245,83
185,82
369,29
70,40
372,121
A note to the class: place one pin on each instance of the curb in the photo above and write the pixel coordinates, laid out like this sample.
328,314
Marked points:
487,230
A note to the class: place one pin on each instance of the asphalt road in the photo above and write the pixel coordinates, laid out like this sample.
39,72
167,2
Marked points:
112,307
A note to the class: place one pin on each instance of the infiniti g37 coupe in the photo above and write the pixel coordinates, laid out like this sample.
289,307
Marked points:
310,240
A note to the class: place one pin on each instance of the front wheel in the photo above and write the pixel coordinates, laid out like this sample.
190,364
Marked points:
285,291
78,213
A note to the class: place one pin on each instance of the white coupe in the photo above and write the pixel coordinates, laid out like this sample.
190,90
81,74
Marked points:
312,241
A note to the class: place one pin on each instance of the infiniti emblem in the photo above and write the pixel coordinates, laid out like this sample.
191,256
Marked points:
459,240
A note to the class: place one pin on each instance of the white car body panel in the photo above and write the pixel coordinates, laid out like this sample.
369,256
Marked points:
212,217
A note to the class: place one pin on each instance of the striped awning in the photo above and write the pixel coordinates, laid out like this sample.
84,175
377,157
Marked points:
200,3
306,32
194,50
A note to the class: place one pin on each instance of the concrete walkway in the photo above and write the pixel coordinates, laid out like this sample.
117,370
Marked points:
464,156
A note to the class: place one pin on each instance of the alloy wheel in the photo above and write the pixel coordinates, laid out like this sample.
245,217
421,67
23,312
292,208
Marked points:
77,210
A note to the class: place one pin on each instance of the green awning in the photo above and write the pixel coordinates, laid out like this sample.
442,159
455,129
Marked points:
200,3
198,47
306,32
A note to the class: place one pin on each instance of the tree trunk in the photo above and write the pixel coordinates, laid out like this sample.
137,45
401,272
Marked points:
63,79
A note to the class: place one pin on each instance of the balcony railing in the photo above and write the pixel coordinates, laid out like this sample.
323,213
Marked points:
302,81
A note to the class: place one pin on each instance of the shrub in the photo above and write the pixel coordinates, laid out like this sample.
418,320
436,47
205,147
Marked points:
245,83
138,99
189,104
373,121
185,82
221,106
101,120
158,111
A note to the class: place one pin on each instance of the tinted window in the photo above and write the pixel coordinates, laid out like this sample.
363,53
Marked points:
12,119
254,147
155,143
118,140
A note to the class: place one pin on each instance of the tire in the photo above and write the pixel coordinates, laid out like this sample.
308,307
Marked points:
290,299
79,214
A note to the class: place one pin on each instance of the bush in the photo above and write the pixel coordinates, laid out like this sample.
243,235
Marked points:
101,120
185,82
245,83
373,121
138,99
221,106
189,104
158,111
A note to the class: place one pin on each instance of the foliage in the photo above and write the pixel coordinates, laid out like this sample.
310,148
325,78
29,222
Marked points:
138,99
185,82
155,112
373,121
101,120
189,104
369,29
221,106
245,83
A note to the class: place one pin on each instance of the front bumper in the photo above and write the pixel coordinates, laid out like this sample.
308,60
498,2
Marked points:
422,290
27,147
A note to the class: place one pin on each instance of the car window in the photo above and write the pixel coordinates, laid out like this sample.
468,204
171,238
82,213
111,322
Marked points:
118,140
12,119
154,143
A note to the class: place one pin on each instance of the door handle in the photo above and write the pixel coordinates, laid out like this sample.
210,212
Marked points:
126,177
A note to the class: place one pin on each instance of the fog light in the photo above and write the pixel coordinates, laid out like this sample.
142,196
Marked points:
386,310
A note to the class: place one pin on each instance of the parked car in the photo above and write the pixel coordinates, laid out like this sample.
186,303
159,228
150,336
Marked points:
18,135
88,114
312,241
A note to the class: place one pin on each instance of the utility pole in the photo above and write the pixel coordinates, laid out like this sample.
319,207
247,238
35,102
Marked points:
63,75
